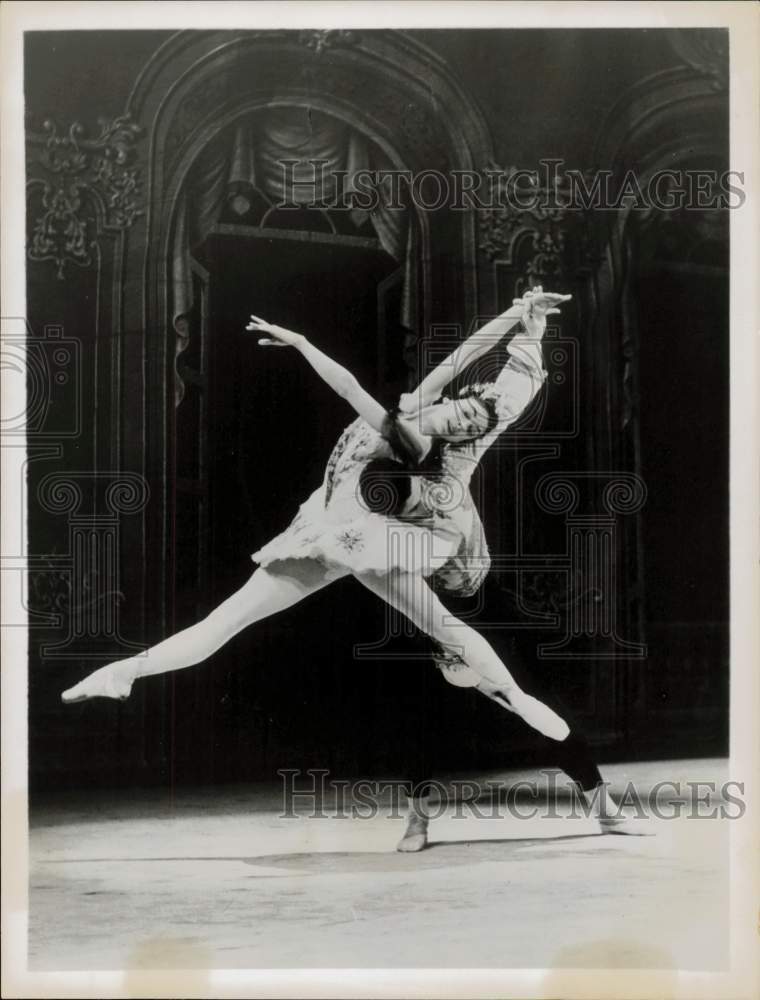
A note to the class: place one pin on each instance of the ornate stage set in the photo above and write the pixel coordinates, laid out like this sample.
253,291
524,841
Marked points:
170,448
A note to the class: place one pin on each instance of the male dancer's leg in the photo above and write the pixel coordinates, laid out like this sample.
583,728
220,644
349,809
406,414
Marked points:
421,774
573,755
269,590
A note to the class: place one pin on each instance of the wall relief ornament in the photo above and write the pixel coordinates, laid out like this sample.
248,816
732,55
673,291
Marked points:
318,41
519,211
85,182
54,594
408,118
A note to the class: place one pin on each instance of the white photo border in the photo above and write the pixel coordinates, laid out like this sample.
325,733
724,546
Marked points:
742,979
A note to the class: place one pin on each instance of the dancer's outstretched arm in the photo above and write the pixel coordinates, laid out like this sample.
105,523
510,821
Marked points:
475,347
343,382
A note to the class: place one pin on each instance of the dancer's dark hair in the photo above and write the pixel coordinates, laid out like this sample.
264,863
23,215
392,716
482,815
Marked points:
385,484
489,404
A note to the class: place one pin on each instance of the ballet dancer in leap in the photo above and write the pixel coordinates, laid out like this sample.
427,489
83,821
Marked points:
394,511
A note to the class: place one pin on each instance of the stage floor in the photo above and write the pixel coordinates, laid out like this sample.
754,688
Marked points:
216,878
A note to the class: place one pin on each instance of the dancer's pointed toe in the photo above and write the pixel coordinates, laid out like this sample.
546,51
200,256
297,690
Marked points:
538,715
108,682
74,694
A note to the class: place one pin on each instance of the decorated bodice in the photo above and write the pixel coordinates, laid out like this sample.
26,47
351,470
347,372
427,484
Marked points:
439,490
445,484
358,444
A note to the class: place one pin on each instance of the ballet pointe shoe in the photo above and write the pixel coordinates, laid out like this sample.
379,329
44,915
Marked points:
539,716
415,835
111,681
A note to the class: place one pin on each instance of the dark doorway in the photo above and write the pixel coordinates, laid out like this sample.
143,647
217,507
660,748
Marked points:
682,295
289,692
271,418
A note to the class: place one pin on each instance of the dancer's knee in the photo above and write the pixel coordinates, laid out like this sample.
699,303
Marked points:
221,624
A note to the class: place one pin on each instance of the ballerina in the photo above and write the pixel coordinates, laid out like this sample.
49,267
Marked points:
394,511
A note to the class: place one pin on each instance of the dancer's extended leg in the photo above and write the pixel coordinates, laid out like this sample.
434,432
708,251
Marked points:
411,595
268,591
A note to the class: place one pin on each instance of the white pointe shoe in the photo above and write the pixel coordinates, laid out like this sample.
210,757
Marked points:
111,681
532,711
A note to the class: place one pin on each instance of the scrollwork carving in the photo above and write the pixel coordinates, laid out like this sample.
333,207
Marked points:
319,41
78,177
60,233
547,592
52,590
49,587
539,213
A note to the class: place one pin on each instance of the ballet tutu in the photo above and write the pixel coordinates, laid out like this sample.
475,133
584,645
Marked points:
439,535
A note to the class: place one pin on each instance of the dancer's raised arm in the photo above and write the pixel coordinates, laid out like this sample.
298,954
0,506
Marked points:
476,346
343,382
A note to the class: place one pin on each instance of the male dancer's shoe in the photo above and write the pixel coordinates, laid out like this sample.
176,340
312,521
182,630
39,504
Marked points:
623,827
415,835
575,758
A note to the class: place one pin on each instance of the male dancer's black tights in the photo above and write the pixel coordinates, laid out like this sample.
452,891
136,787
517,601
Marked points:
572,755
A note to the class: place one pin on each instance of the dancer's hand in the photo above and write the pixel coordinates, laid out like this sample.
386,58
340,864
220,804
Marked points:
278,335
409,402
537,305
540,302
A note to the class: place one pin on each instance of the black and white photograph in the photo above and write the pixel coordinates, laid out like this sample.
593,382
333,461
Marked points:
380,482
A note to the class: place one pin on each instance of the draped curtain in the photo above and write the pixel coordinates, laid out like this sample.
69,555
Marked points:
243,170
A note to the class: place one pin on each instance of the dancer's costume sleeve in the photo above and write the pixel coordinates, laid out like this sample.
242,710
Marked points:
519,381
515,388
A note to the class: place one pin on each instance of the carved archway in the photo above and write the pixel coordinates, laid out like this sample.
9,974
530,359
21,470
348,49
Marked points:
675,120
385,85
